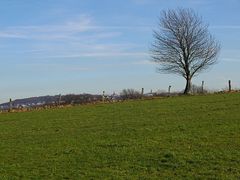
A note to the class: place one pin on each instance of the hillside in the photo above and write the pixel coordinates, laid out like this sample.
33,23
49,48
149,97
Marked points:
47,100
180,137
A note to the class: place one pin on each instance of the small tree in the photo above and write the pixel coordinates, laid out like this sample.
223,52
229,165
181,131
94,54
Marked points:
195,89
183,45
130,94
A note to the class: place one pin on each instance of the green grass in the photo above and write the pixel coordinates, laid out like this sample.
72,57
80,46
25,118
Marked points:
175,138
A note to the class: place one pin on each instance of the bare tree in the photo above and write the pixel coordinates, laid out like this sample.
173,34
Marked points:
130,94
183,45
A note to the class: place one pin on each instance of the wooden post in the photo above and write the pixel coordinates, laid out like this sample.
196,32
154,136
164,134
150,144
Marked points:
10,105
103,96
142,91
202,86
229,86
59,100
169,90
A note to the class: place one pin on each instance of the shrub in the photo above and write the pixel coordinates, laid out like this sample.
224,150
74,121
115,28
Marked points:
130,94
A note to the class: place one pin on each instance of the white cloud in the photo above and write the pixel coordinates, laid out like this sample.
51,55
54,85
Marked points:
177,2
9,34
71,29
142,2
231,59
144,62
228,27
97,54
80,24
75,38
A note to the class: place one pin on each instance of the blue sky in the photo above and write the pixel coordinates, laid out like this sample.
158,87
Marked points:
49,47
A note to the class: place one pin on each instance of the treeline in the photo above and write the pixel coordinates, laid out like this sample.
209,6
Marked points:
78,99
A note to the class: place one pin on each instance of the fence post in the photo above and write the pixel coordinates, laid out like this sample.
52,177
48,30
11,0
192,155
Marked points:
59,100
10,105
229,86
142,92
103,96
202,86
169,90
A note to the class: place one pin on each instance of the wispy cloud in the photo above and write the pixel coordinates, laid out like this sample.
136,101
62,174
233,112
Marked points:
75,38
97,54
41,66
231,59
142,2
230,55
80,24
143,62
228,27
191,2
10,34
68,30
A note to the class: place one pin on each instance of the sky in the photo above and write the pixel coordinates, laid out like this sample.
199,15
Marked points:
53,47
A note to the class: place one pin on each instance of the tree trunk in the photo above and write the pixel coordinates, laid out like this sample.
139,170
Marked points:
188,86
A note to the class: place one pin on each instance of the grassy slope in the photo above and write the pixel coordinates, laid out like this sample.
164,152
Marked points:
182,137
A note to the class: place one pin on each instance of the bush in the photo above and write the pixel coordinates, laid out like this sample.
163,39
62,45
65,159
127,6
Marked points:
195,89
80,99
130,94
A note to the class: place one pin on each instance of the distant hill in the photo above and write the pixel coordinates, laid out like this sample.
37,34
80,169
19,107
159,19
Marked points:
44,100
32,101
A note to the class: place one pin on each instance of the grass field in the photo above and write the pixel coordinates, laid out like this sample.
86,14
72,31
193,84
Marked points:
177,138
